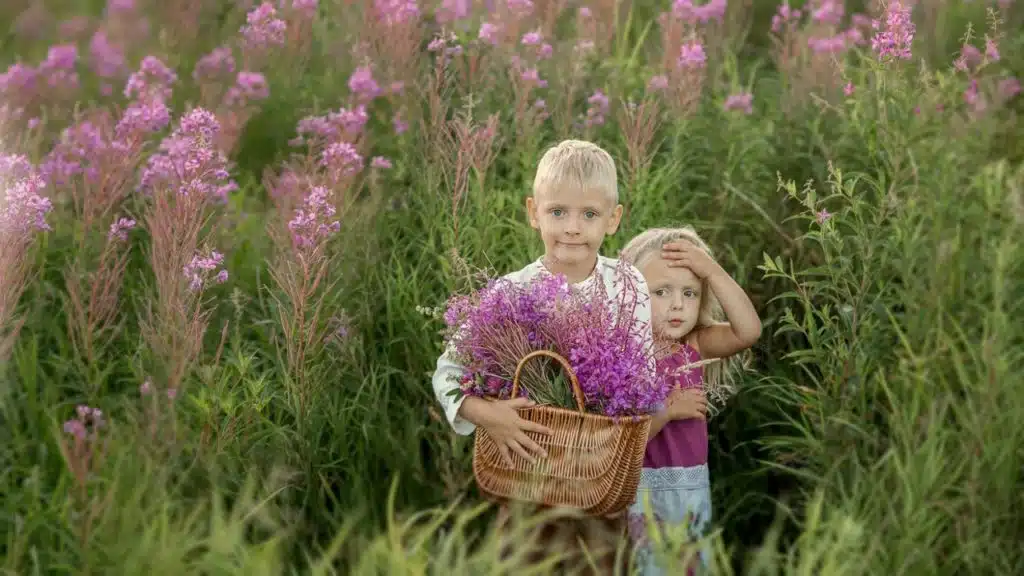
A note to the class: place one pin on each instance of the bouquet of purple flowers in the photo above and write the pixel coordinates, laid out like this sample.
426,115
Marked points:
490,330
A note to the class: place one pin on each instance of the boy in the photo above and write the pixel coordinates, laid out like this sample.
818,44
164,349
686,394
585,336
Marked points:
574,205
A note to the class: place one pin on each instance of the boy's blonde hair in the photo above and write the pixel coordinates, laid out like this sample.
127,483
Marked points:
646,245
578,164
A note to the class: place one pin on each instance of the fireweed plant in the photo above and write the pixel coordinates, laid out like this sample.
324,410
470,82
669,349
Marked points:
252,363
492,329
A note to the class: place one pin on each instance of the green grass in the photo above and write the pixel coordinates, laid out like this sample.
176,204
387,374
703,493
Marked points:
878,431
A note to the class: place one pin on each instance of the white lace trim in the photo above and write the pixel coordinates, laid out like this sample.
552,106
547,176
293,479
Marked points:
675,477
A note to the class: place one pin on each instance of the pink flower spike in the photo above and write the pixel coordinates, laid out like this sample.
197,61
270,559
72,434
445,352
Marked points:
120,228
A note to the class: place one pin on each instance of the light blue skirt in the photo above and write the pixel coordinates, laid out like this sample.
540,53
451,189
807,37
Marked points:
680,499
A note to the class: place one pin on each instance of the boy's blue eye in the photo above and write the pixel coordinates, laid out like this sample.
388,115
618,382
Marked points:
557,212
591,214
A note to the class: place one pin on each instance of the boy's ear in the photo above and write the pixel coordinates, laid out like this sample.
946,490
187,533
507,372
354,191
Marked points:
613,222
531,212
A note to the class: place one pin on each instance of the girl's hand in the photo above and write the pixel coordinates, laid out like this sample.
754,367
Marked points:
682,254
687,403
508,429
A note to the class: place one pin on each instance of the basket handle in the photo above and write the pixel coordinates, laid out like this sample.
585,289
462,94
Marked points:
577,392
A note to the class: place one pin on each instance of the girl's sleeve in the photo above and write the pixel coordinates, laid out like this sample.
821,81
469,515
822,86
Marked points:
445,380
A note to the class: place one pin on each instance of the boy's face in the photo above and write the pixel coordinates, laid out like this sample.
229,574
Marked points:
573,224
675,298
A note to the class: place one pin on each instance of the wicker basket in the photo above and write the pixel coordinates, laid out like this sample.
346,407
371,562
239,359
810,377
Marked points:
593,461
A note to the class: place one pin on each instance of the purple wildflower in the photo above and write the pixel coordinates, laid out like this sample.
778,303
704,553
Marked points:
396,12
188,160
216,65
249,86
307,8
691,56
73,154
894,40
597,109
59,67
399,124
362,84
699,14
120,228
153,79
107,59
489,33
313,222
342,158
742,101
141,119
23,208
1008,88
263,28
199,268
658,83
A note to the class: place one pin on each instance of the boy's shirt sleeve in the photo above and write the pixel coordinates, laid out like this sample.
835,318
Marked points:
445,380
642,317
448,372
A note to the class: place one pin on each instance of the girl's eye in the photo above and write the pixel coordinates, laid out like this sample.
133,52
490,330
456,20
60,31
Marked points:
591,214
659,292
556,212
690,294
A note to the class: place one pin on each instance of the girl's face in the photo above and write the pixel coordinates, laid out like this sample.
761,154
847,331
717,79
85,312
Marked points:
675,298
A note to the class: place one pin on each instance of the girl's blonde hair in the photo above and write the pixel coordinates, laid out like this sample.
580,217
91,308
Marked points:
718,376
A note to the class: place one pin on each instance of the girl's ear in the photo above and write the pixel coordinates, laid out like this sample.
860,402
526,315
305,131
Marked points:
531,212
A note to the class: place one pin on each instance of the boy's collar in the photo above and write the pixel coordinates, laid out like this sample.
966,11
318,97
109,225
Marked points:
593,271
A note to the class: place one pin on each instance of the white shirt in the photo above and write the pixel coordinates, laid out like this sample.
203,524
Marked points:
446,376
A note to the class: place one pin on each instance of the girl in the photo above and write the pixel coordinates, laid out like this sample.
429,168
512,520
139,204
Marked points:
689,292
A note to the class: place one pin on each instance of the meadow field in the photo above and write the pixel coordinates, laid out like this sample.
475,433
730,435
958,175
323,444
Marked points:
224,225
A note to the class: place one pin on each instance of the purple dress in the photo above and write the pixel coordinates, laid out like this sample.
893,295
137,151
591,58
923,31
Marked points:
681,443
674,481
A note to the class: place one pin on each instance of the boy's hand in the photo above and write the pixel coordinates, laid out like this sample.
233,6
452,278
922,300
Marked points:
508,429
682,254
684,404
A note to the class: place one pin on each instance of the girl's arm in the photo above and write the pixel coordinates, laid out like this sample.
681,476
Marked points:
658,422
680,405
743,328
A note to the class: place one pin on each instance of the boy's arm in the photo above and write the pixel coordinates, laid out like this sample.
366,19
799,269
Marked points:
500,419
445,380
